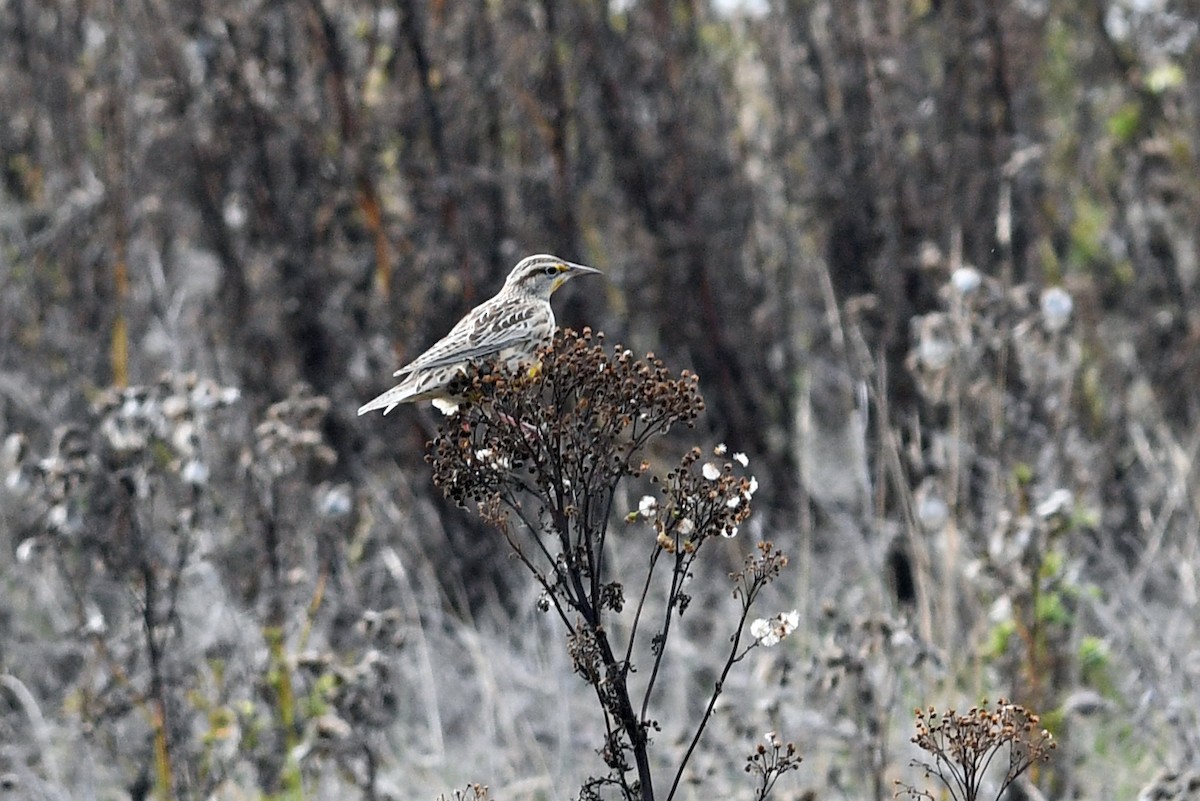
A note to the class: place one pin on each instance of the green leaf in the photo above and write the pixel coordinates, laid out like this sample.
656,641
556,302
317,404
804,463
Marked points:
1124,123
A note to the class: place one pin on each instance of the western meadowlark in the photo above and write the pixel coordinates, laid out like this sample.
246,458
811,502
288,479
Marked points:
510,327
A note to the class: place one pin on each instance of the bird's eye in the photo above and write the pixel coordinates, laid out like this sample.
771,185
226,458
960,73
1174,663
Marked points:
553,269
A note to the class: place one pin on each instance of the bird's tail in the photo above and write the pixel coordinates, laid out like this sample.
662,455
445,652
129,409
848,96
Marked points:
401,393
418,386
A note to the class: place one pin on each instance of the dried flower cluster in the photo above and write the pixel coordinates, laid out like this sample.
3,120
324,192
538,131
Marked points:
770,631
515,423
759,570
965,746
541,452
698,504
134,418
121,503
472,792
770,761
291,434
980,322
136,432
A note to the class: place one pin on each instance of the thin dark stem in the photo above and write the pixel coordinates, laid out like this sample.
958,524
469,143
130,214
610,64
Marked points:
517,510
731,660
678,574
588,540
577,594
990,755
950,768
625,714
175,580
540,578
601,527
1016,766
637,614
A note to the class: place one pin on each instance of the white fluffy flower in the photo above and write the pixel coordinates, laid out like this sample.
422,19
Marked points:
1056,306
932,512
966,280
711,471
769,631
934,352
25,550
742,459
760,630
492,459
648,506
1059,503
720,449
335,501
195,472
57,517
685,527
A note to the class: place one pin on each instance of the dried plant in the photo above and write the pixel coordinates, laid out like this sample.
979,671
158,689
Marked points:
472,792
124,505
965,746
769,762
542,454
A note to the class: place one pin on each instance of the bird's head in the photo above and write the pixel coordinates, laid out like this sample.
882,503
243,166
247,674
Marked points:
539,276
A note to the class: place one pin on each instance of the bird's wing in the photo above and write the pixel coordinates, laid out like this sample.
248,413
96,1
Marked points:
485,332
447,344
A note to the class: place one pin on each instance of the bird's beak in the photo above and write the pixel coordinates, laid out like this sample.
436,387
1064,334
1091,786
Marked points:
582,269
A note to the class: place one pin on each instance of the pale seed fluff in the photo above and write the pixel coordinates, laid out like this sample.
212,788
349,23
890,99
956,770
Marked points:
492,459
25,550
742,459
1059,503
760,630
711,471
790,620
446,406
966,280
648,506
57,517
769,631
932,512
195,472
1056,307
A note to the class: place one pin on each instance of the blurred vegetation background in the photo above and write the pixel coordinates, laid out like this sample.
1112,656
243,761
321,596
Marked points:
935,263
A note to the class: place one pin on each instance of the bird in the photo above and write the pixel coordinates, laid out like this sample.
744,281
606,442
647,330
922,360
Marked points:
510,326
